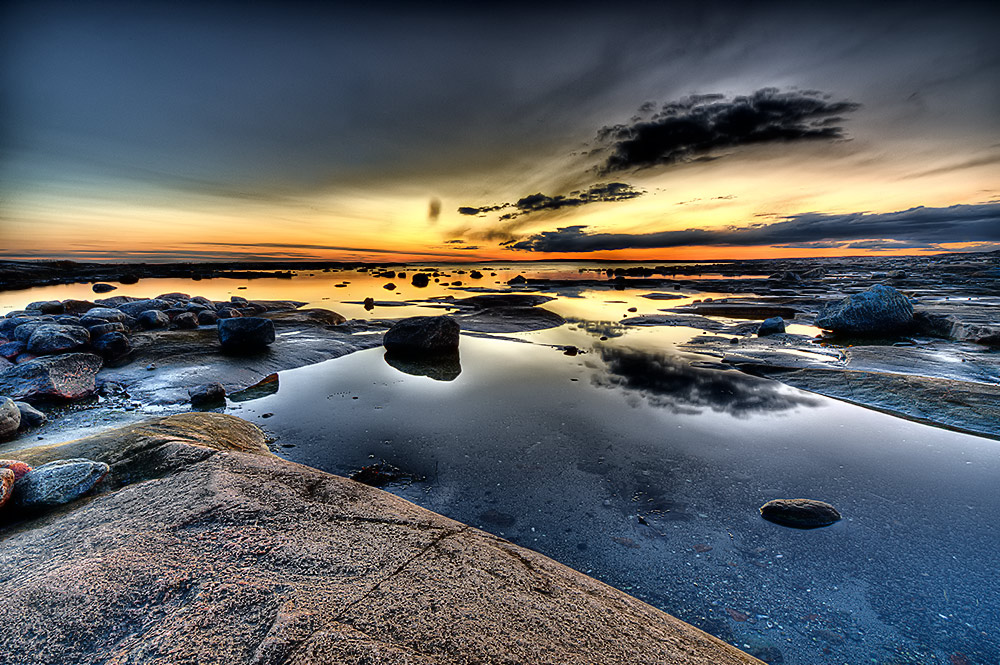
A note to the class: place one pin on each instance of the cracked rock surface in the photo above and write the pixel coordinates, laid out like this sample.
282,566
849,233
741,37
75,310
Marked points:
204,547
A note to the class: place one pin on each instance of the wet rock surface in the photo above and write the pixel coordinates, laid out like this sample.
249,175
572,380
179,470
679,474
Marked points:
58,482
422,335
881,310
212,521
63,377
10,418
799,513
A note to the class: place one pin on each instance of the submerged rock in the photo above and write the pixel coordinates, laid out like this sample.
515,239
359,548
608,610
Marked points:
247,333
422,335
10,418
771,326
799,513
510,319
58,482
881,310
67,376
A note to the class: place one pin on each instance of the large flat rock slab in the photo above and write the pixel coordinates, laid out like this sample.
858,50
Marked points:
222,553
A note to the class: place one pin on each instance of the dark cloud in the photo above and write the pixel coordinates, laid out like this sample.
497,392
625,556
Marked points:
601,192
916,227
696,127
434,210
669,381
454,241
467,210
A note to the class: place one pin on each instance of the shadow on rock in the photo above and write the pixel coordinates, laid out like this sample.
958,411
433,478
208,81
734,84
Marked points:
440,366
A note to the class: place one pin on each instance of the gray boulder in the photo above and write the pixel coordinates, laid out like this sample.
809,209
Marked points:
799,513
422,335
139,306
58,482
771,326
30,416
153,318
245,333
57,338
10,418
113,345
187,320
64,377
881,310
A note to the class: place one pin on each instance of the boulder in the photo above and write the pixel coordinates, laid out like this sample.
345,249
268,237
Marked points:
881,310
152,319
105,328
517,280
771,326
100,315
799,513
10,418
245,333
6,486
207,317
47,306
57,338
137,307
71,306
30,416
19,468
113,345
207,395
100,287
186,321
226,312
12,350
23,332
422,335
58,482
64,377
420,280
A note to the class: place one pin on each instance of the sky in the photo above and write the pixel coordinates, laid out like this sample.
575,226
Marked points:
451,132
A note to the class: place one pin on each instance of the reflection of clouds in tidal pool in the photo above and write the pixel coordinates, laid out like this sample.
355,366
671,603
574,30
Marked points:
667,380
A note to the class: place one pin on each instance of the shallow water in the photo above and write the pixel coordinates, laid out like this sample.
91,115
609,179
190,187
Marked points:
564,455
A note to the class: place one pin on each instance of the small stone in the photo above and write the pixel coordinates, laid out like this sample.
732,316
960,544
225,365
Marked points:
633,309
58,482
799,513
207,318
570,350
30,416
389,287
772,326
100,287
209,394
420,280
517,280
10,418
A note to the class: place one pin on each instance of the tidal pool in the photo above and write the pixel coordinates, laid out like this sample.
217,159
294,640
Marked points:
566,454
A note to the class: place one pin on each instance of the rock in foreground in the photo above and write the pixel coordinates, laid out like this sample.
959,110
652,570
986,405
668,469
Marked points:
799,513
10,418
232,557
881,310
63,377
422,335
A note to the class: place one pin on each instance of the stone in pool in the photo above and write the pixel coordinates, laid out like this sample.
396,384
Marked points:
422,335
799,513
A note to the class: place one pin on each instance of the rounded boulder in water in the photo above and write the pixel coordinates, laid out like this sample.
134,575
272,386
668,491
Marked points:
245,333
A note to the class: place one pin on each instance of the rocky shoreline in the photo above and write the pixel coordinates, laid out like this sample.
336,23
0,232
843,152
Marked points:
200,546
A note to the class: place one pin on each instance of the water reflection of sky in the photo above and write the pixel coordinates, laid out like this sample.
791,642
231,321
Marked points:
563,454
